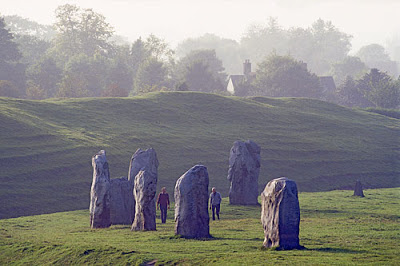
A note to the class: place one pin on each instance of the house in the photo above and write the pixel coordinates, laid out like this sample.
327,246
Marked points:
327,84
235,81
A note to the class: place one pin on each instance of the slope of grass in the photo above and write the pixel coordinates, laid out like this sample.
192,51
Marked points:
47,145
336,229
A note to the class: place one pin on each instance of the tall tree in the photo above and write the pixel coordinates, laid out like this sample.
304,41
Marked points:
375,56
379,88
282,76
350,66
81,31
151,76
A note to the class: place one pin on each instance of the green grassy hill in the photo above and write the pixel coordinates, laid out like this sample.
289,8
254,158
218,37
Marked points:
46,146
336,229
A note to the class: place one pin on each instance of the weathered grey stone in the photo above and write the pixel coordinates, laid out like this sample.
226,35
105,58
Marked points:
280,214
358,190
122,201
100,192
145,211
142,160
244,168
191,202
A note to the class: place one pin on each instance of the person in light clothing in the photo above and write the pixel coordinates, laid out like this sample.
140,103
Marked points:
215,202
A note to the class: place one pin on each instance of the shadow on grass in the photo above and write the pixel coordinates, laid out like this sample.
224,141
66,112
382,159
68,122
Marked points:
336,250
212,238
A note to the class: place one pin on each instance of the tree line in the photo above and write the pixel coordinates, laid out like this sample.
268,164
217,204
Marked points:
80,56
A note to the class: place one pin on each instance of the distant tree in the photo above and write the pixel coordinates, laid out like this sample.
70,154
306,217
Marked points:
261,40
84,76
151,76
81,31
26,27
182,86
158,49
350,95
375,56
10,67
350,66
34,92
379,88
7,89
44,77
138,54
329,45
282,76
227,50
202,67
31,48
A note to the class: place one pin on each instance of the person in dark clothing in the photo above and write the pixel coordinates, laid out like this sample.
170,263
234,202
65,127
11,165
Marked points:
163,204
215,202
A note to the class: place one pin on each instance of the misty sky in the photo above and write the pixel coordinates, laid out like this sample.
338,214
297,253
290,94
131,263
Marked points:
368,21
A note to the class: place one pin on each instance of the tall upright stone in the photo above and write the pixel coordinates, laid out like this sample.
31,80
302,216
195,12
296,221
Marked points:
280,214
100,192
122,209
191,203
244,168
358,189
142,160
145,211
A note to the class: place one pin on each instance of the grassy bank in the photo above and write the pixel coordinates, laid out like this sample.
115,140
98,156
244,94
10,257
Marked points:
336,229
47,145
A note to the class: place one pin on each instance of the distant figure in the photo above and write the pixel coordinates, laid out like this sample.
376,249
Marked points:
215,202
163,204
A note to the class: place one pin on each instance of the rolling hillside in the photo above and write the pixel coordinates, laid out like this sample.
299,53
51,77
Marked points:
46,146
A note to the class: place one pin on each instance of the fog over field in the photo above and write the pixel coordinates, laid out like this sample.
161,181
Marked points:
368,21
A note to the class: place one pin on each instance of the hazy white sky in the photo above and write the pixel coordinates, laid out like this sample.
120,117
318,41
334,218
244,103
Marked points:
369,21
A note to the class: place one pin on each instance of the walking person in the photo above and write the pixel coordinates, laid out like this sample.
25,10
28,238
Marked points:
215,202
163,204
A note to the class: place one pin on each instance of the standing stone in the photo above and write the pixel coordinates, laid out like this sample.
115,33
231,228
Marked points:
100,192
280,214
191,202
244,168
142,160
122,201
145,211
358,190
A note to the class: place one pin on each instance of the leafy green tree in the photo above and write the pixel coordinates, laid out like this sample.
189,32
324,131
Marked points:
26,27
282,76
375,56
350,66
379,88
81,31
158,49
137,55
229,51
198,77
151,76
44,77
201,67
10,67
84,76
350,95
31,48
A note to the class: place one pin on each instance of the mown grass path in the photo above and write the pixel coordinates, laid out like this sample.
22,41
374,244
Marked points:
336,228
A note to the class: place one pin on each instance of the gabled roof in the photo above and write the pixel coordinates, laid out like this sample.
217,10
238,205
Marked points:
327,83
237,79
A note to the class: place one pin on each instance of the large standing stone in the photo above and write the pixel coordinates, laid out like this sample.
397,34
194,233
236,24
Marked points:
244,168
100,192
142,160
191,202
122,201
145,211
280,214
358,190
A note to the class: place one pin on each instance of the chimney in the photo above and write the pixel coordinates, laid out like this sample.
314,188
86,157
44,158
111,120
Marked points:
246,67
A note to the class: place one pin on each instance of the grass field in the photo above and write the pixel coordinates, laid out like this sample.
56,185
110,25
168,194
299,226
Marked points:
336,229
46,146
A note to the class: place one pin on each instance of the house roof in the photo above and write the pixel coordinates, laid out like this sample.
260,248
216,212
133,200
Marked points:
327,83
